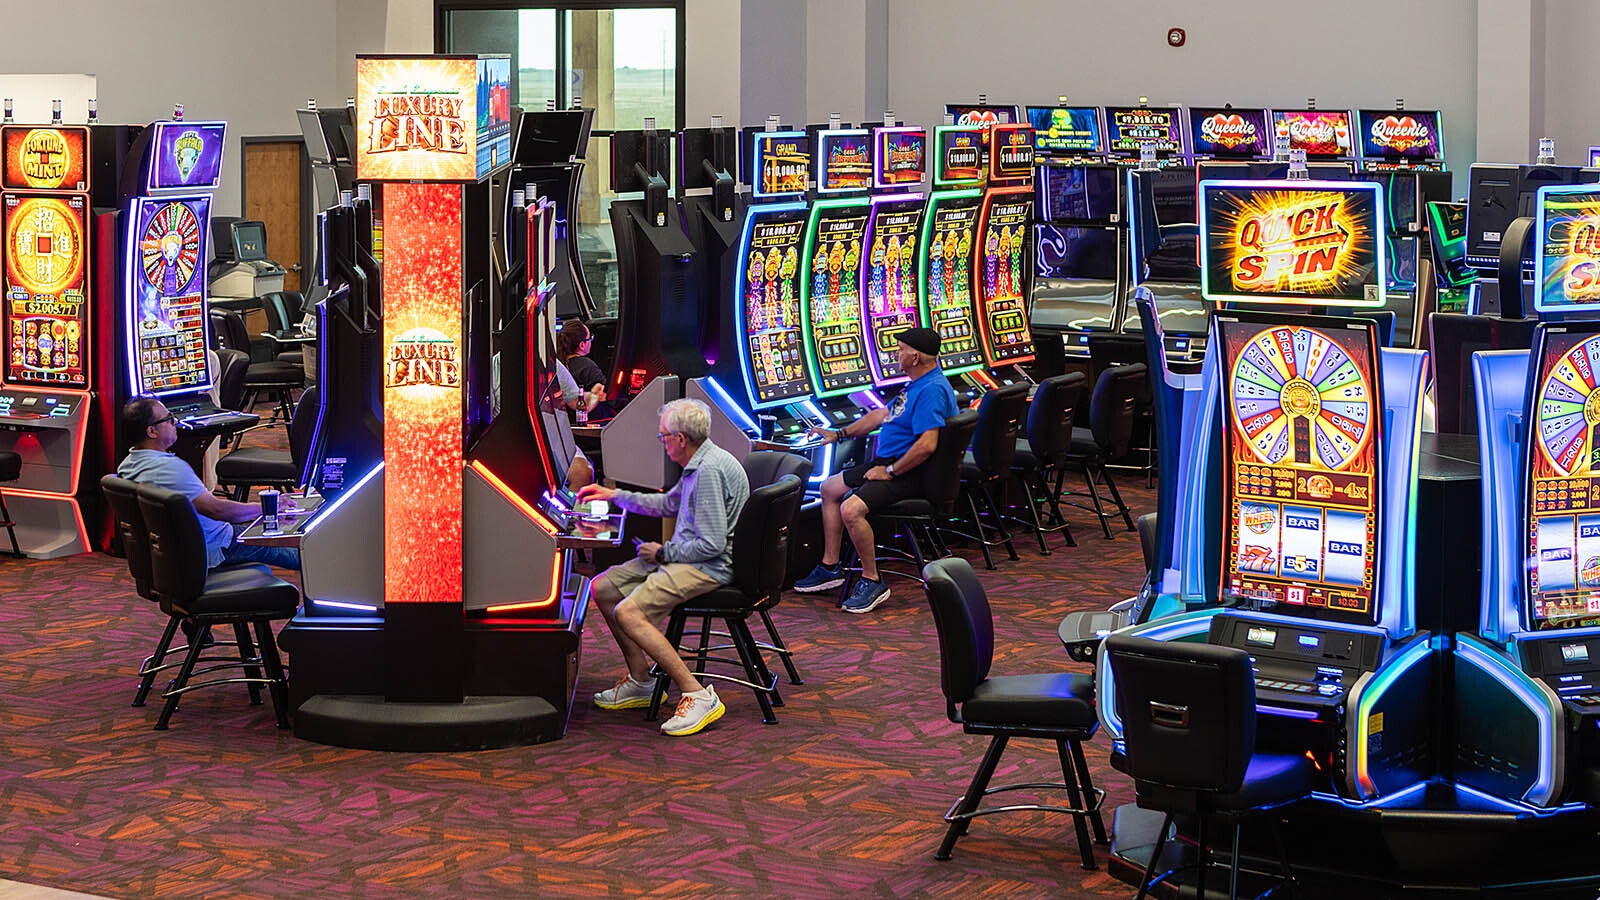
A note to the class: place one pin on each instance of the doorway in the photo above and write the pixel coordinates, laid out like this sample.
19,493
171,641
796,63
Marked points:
277,193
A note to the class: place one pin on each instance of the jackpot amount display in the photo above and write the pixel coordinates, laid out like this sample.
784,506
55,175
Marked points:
949,285
1004,307
45,286
1564,485
891,285
772,311
834,301
1301,466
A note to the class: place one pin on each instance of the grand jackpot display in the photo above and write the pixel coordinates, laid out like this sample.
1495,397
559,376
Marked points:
1280,242
1303,419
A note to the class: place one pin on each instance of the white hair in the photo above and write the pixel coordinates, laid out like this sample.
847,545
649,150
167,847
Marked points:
690,418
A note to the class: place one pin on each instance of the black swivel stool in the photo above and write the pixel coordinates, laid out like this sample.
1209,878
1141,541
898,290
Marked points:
987,467
10,470
1188,715
1056,707
1041,458
760,555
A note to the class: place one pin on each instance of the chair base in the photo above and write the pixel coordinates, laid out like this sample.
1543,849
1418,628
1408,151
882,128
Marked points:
757,677
478,723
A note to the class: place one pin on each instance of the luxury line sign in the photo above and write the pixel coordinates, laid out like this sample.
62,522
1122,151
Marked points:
433,118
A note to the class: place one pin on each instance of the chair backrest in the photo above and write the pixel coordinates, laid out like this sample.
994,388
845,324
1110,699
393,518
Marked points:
1000,414
1188,711
230,330
303,425
177,547
1149,535
1111,407
234,364
122,496
761,537
764,467
942,481
965,624
1050,418
283,308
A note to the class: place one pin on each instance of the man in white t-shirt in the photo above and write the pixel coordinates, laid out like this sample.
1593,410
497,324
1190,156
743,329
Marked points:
152,430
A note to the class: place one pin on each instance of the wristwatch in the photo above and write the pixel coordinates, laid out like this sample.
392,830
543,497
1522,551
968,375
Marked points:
890,469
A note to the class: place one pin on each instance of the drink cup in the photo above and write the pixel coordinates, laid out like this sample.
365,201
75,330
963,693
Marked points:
269,509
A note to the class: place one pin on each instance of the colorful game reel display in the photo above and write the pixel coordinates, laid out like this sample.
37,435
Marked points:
170,249
1569,410
1298,393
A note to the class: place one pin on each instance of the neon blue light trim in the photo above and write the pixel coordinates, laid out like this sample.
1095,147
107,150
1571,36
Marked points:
1382,680
1516,807
762,138
135,284
1134,279
1550,718
824,471
327,512
1220,296
1539,241
741,269
1268,710
341,605
1394,799
729,406
807,342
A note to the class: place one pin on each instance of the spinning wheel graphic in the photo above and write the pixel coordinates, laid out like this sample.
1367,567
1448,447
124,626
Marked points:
1299,398
1569,409
170,248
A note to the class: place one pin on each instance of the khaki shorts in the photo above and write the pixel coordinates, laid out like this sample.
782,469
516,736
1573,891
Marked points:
658,590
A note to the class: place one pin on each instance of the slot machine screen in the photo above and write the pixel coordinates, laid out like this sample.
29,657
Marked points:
1447,236
1129,128
1562,515
186,155
1322,133
1075,253
1567,249
1078,194
651,151
959,157
844,161
1004,255
770,273
1302,473
45,159
835,342
46,288
1305,242
166,287
780,163
889,277
901,159
949,300
1229,133
1412,136
1066,130
1012,156
981,114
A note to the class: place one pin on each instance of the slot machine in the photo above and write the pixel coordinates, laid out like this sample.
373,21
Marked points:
948,248
53,329
889,267
549,153
1297,540
1004,264
165,226
1529,680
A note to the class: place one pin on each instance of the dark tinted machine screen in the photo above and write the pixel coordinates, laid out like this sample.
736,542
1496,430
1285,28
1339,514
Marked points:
1303,417
1077,194
1313,242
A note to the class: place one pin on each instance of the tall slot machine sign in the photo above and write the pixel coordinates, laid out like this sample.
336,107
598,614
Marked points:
948,296
1308,567
1004,253
49,327
889,269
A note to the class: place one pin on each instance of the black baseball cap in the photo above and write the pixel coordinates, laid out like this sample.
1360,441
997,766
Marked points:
922,340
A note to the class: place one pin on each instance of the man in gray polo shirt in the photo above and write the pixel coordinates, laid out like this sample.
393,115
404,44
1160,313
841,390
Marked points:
635,596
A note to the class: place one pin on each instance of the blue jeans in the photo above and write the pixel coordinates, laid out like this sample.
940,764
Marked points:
281,557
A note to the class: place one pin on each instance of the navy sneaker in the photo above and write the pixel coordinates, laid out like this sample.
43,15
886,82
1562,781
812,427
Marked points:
865,596
822,578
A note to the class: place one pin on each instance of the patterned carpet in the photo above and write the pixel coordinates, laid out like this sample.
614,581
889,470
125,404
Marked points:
842,798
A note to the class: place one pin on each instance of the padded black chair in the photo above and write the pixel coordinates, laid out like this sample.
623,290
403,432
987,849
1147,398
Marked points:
1056,707
232,366
10,470
760,556
761,468
248,467
1040,461
283,313
986,467
919,519
1111,416
1113,350
222,596
122,497
278,380
1188,715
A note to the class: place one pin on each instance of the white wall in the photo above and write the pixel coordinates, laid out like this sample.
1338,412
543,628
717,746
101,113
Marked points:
360,28
224,59
712,64
772,61
1248,52
1571,69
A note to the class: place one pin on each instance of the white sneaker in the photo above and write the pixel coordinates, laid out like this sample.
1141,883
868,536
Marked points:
626,694
695,712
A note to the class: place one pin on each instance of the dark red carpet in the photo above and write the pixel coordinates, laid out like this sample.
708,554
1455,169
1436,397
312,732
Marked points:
843,798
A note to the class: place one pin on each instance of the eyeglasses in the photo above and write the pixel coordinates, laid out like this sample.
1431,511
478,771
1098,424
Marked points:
169,417
663,435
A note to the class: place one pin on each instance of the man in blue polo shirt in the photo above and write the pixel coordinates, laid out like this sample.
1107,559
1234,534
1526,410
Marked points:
910,432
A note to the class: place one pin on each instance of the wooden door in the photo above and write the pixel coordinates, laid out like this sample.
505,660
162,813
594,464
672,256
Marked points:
275,180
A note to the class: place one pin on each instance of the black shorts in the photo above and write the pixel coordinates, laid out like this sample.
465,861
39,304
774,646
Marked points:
878,495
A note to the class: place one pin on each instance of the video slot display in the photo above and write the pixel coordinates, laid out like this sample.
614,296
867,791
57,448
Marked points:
889,276
1229,133
1067,130
1301,464
836,342
1322,133
1563,482
1412,136
1005,257
770,273
1130,128
45,159
46,288
844,161
1567,249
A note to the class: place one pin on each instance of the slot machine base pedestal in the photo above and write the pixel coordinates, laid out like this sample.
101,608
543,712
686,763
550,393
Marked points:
1436,844
372,723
